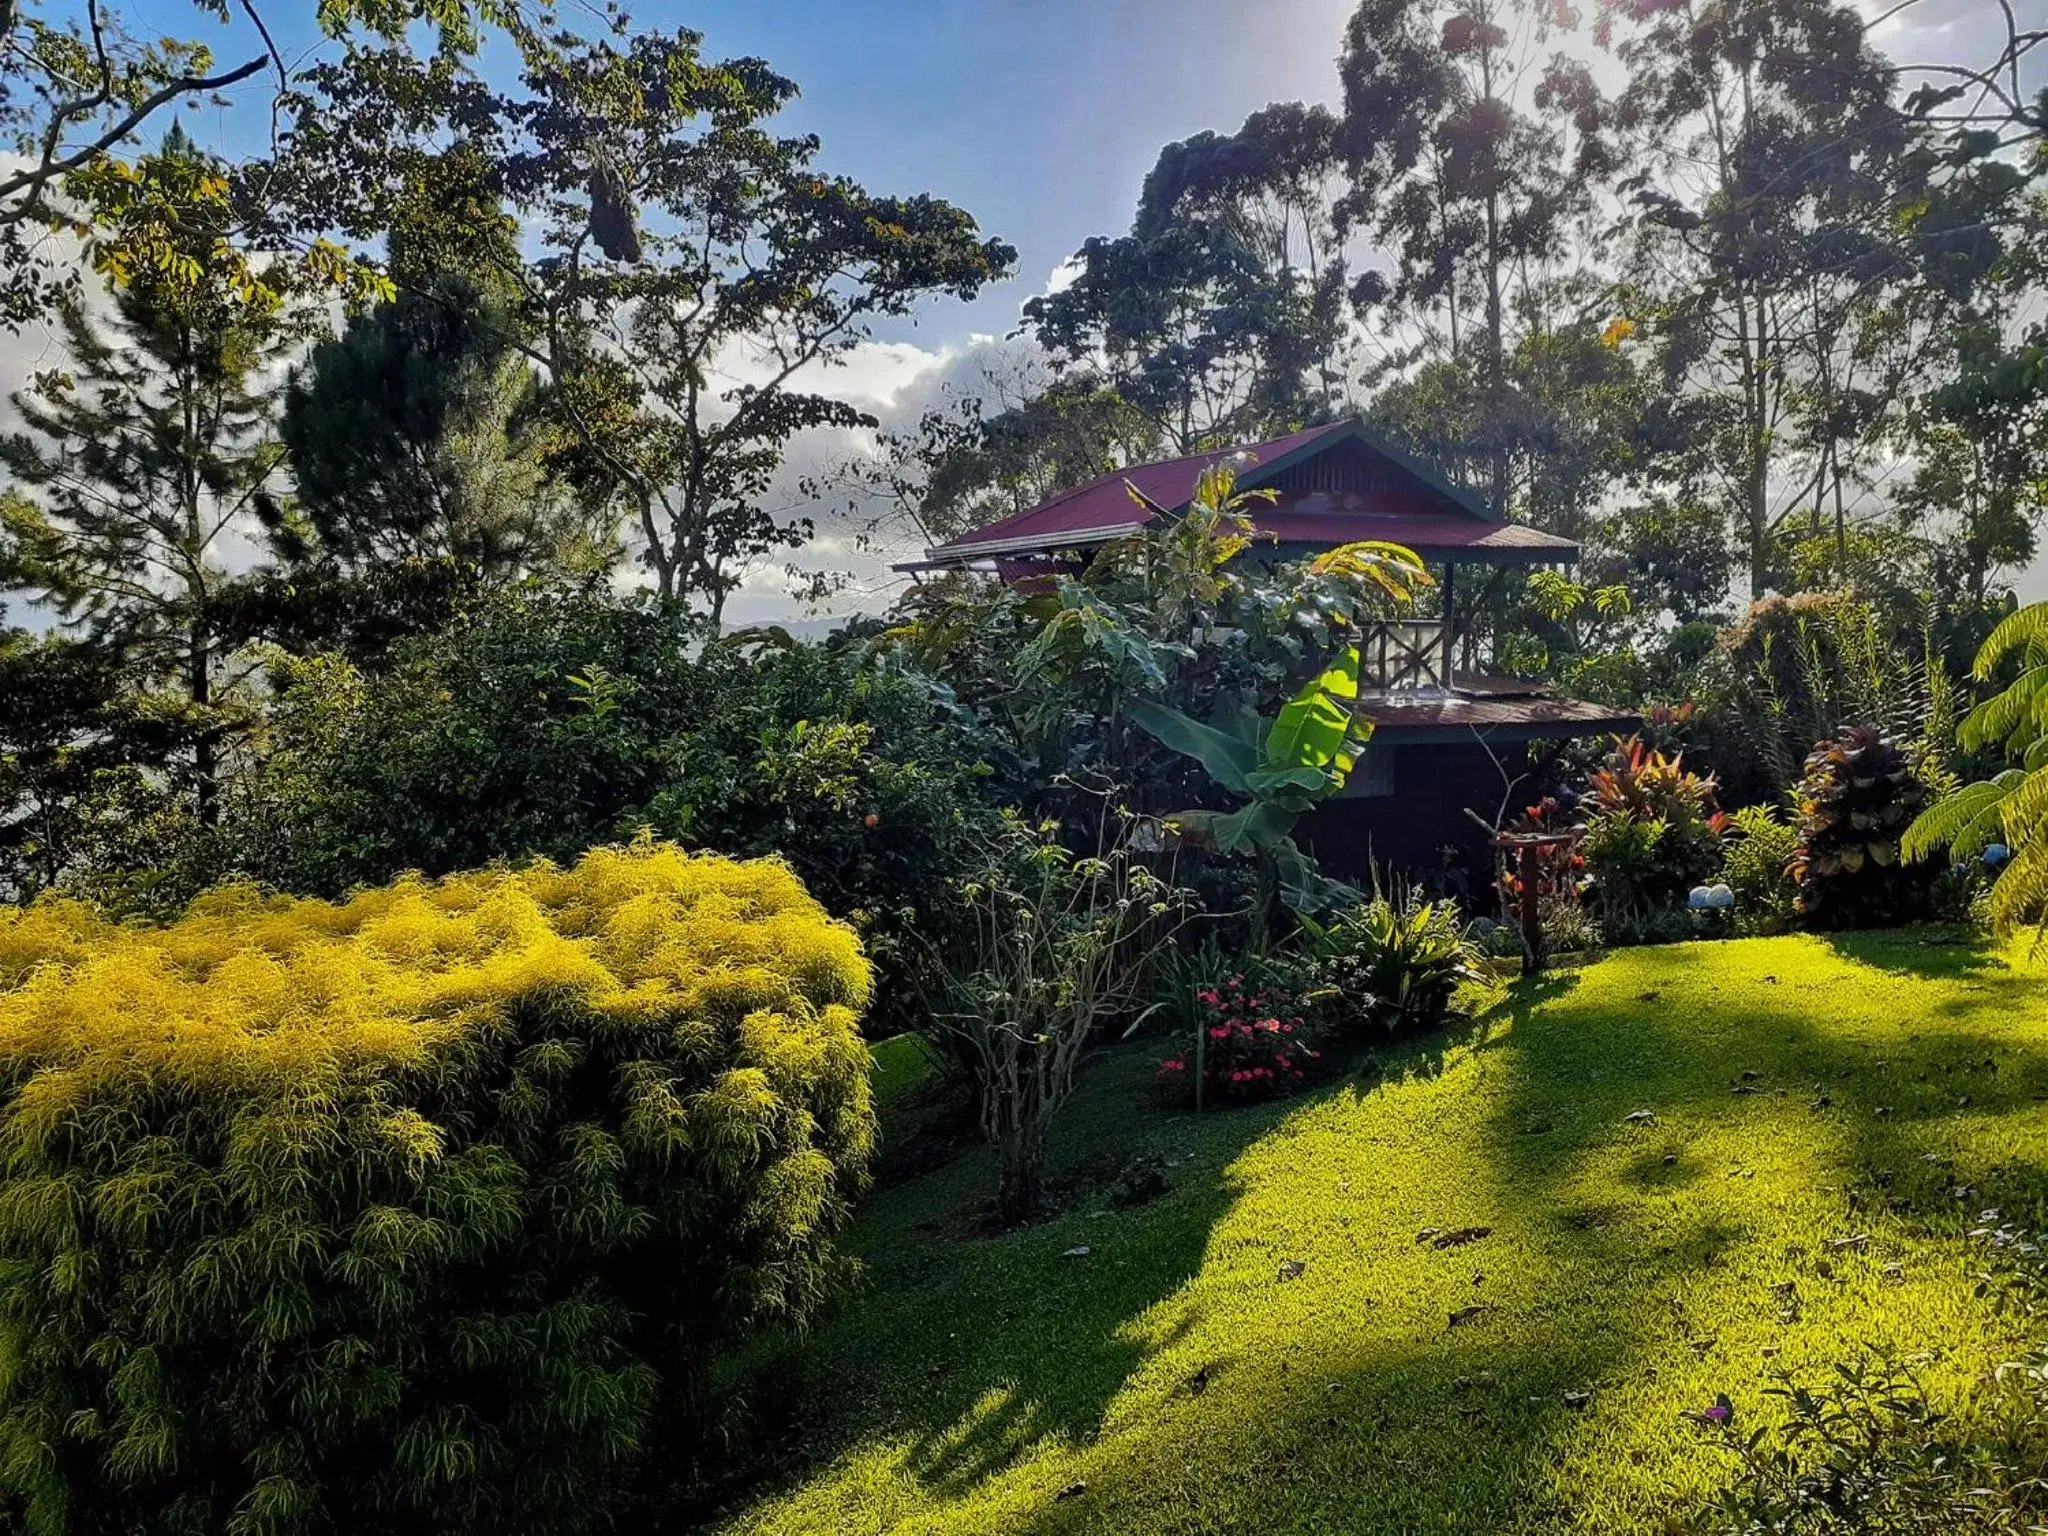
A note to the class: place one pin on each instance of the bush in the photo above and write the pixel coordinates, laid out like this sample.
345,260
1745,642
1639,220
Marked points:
1867,1452
1757,865
545,723
1860,794
1653,830
426,1211
1394,965
1255,1043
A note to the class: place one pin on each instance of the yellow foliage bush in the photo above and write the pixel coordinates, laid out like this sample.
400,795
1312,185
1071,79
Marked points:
418,1211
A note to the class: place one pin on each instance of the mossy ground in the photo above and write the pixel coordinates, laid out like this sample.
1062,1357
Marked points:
1175,1380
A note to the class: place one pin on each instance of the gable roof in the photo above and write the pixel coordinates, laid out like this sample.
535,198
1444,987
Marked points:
1103,508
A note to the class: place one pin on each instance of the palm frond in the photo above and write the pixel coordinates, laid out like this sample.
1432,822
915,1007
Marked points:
1965,823
2024,632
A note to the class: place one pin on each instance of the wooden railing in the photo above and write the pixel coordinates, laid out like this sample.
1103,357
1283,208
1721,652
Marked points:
1399,654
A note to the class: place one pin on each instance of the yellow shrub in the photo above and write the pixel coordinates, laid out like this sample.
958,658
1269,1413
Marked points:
421,1207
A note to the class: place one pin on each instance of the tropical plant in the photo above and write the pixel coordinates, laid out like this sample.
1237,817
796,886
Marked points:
429,1211
1654,829
2008,812
1252,1042
1055,956
1860,795
1757,865
1285,766
1394,963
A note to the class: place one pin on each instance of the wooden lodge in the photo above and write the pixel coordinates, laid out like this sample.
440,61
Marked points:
1445,742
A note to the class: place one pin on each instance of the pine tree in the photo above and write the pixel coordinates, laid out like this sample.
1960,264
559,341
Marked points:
143,458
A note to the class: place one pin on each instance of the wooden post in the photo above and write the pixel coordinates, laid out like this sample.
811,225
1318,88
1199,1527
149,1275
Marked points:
1449,660
1532,908
1201,1053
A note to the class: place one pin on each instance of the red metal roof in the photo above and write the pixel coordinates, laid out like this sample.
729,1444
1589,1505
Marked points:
1103,507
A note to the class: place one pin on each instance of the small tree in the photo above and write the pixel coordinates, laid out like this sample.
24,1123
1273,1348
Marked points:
1056,957
143,456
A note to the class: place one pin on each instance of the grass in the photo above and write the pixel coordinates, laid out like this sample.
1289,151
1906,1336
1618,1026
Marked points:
1174,1379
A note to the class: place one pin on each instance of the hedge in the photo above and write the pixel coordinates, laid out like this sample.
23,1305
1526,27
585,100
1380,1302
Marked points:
428,1210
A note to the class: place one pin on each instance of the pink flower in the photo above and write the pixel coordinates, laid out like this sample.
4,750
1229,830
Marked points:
1219,1034
1212,998
1237,1077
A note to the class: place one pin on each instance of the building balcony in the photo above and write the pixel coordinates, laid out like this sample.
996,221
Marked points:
1404,656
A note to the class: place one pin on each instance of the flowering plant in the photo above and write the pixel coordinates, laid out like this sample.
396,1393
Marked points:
1253,1043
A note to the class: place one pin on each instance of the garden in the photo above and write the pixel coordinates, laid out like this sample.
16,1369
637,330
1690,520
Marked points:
491,1040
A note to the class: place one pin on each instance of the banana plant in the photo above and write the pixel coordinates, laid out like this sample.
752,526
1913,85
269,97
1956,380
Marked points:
1283,768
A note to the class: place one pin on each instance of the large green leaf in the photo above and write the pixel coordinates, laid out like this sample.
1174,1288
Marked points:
1230,758
1304,888
1314,730
1255,826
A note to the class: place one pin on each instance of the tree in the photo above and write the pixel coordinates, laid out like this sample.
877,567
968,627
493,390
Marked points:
1018,439
1472,158
699,274
1220,318
1056,955
141,459
75,93
411,438
1801,247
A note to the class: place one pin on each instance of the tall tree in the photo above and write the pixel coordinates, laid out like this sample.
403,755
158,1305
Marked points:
1221,316
1475,159
141,459
1797,254
699,275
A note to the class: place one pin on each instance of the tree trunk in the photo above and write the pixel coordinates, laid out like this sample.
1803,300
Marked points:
1020,1178
205,768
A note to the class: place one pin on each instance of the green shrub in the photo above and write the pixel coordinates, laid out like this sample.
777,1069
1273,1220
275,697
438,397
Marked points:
1255,1039
1866,1453
1394,963
1654,830
1860,794
1757,865
424,1212
544,723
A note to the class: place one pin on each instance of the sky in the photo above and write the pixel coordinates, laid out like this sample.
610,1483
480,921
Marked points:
1040,117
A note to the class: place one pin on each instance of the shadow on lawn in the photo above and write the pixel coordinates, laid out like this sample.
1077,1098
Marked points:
1878,1093
1938,954
1035,1345
1035,1342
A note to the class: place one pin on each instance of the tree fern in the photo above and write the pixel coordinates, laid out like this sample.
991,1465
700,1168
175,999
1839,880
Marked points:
2011,808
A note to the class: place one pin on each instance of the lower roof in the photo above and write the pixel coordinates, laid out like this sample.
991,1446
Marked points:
1448,717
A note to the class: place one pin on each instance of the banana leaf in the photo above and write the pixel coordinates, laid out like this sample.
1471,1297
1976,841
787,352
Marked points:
1315,727
1231,758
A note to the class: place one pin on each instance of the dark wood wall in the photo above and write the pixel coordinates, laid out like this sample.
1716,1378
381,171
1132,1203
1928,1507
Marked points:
1420,830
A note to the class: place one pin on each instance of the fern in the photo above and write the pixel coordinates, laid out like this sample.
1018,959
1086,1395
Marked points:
2011,808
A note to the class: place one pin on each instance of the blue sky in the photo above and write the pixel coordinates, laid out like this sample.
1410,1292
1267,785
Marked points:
1040,117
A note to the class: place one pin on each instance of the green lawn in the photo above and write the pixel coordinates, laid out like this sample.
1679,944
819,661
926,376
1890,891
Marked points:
1174,1379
